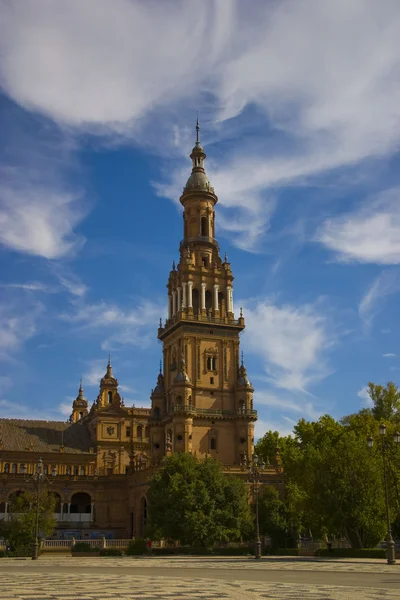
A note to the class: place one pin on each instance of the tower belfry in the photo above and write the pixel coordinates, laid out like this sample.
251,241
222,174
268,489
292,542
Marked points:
202,406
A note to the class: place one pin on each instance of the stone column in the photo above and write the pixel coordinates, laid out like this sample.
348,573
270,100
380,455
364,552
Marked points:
173,303
228,298
190,297
203,296
184,294
179,289
169,306
216,288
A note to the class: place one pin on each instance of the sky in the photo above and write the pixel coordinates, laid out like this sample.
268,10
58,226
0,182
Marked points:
299,107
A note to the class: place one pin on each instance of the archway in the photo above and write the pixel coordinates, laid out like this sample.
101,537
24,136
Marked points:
81,503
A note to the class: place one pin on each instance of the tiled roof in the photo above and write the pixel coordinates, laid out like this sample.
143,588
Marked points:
43,436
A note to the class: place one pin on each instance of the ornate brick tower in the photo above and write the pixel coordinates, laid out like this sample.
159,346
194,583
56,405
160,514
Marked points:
203,402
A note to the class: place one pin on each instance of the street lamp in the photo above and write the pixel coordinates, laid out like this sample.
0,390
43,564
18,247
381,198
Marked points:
390,545
38,478
255,468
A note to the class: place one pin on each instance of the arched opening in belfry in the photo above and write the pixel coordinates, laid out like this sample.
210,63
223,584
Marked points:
221,305
195,301
109,397
204,226
208,301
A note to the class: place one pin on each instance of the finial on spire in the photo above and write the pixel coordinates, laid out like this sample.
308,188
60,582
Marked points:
109,360
226,258
197,130
241,311
80,386
242,358
160,366
173,265
160,323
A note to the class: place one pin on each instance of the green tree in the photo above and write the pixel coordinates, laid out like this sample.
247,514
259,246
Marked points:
282,518
386,401
19,529
194,502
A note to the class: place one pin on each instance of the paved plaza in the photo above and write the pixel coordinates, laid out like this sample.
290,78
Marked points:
187,578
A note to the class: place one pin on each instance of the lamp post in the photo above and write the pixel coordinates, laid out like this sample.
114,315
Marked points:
38,478
390,545
255,468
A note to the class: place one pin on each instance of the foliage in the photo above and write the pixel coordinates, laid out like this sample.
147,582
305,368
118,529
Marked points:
19,529
84,547
194,502
111,552
334,483
2,553
136,547
386,401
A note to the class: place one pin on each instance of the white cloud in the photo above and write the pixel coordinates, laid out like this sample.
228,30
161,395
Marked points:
387,283
33,286
365,397
38,219
18,323
94,371
15,410
323,79
261,427
291,341
295,405
134,326
371,234
65,409
389,355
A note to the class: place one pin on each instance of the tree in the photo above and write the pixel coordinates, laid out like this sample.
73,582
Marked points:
194,502
281,518
19,529
386,401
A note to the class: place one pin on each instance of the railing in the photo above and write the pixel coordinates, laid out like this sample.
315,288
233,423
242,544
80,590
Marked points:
204,239
245,412
201,318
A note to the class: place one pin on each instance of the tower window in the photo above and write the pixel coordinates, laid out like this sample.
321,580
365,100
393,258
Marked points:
128,432
204,226
204,261
211,363
213,444
109,397
81,415
211,380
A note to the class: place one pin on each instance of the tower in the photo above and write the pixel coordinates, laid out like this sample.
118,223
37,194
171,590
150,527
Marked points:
203,400
79,406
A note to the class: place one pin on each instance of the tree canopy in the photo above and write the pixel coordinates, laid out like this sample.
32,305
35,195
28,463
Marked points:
19,529
333,481
194,502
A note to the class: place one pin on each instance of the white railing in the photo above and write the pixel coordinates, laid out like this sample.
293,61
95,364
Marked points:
99,542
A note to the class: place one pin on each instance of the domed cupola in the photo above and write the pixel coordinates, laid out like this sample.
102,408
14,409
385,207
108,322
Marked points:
182,376
243,380
198,179
79,406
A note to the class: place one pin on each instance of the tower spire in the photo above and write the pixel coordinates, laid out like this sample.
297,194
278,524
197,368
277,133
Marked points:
197,130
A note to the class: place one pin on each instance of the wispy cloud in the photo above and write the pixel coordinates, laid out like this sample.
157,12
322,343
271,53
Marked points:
18,323
291,341
387,283
371,234
133,326
389,355
322,105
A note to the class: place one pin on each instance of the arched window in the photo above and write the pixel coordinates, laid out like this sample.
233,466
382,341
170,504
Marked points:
57,508
179,400
68,470
221,305
81,415
22,468
81,503
242,406
14,468
109,397
156,412
147,432
139,432
204,226
7,468
213,444
83,471
46,469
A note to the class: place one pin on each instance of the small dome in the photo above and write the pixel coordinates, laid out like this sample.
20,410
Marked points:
243,380
159,389
182,376
198,179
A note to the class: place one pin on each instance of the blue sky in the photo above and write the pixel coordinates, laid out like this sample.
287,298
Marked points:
299,105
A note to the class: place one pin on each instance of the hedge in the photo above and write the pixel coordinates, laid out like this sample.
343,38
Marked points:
136,547
84,547
111,552
352,552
